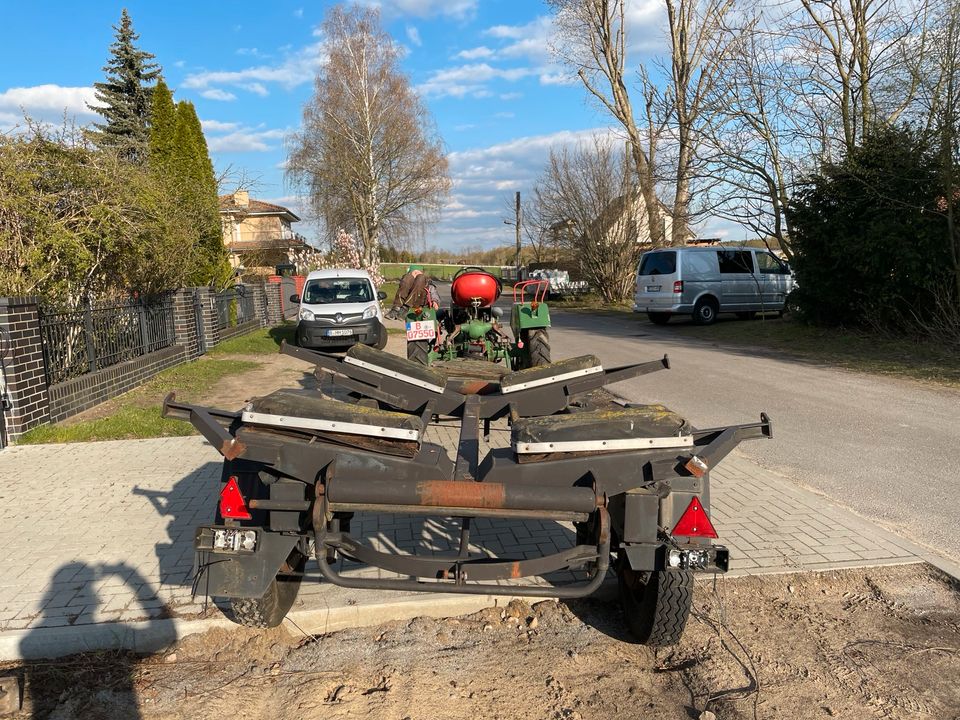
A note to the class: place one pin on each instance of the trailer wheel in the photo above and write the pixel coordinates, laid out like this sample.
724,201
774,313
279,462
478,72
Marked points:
656,604
272,607
419,351
538,347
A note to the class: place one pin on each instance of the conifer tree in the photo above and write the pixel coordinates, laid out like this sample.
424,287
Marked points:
197,180
163,129
125,95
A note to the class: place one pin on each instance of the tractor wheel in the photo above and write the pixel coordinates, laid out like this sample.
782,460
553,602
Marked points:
419,351
272,607
537,343
656,604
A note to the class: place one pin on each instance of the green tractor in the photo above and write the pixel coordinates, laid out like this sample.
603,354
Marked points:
470,328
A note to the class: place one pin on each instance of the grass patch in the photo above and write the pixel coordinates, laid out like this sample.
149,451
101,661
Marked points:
136,414
127,423
390,288
854,350
259,342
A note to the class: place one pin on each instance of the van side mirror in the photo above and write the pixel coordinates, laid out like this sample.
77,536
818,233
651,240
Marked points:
381,295
295,298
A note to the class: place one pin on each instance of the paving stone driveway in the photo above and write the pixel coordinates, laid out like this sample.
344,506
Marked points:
102,532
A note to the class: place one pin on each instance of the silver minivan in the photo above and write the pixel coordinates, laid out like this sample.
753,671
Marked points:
704,281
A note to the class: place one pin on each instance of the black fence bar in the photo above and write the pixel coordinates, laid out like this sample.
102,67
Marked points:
82,340
234,307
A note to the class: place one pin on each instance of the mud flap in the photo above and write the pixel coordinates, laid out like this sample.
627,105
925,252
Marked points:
247,575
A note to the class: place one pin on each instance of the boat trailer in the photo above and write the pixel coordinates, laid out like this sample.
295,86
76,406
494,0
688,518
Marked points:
633,479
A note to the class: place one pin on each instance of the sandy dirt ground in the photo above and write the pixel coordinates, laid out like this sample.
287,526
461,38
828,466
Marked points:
872,643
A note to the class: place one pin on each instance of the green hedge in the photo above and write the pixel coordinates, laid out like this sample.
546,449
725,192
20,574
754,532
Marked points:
394,271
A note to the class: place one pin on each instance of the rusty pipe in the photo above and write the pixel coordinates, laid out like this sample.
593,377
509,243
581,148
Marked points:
462,494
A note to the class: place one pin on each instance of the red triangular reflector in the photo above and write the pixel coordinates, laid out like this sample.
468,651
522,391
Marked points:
232,504
694,522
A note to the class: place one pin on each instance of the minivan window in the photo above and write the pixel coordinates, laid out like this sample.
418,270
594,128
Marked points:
735,261
769,265
659,263
326,291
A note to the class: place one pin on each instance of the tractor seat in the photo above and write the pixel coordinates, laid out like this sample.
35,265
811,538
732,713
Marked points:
547,374
396,367
306,411
641,427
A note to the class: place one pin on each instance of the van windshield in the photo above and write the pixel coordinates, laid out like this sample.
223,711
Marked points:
337,290
659,263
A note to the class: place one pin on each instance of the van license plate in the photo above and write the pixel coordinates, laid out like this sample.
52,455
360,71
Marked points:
339,332
653,288
421,330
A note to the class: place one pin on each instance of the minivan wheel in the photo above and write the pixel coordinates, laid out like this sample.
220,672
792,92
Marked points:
659,318
705,311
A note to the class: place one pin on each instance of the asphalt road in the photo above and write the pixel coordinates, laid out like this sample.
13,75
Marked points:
889,449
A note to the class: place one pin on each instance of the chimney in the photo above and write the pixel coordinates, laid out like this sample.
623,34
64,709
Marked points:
241,198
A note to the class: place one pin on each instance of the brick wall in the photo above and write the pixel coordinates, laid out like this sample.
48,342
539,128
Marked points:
246,327
274,305
79,394
26,383
31,402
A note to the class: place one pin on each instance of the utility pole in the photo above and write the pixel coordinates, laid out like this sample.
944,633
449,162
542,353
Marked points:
517,224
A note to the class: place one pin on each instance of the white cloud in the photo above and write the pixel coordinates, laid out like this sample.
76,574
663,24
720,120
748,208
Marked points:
511,95
483,178
505,115
413,35
557,78
298,13
477,53
218,126
48,101
465,126
469,79
458,9
218,94
256,89
245,140
297,67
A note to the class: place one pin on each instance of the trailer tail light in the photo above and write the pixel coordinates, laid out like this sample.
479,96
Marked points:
232,504
694,522
678,286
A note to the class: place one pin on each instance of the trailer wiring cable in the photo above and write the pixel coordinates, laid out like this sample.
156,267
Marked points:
754,687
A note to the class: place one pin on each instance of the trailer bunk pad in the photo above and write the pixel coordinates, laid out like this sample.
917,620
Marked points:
303,411
641,427
572,369
396,367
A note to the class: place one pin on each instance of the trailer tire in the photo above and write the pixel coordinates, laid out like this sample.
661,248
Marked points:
538,347
656,604
419,351
272,607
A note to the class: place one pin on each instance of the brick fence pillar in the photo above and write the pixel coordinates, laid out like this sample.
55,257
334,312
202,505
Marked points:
274,306
185,322
26,400
208,309
259,302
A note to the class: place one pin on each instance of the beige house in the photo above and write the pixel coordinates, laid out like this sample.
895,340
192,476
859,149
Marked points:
258,234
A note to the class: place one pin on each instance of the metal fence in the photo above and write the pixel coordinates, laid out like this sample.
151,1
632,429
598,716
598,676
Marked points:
90,338
234,306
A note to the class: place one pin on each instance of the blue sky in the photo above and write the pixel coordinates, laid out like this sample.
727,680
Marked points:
483,67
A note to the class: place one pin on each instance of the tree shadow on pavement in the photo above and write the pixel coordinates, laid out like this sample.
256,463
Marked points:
99,684
190,502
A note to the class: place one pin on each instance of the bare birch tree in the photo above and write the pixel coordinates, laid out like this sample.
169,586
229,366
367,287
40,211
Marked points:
592,38
368,153
588,191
